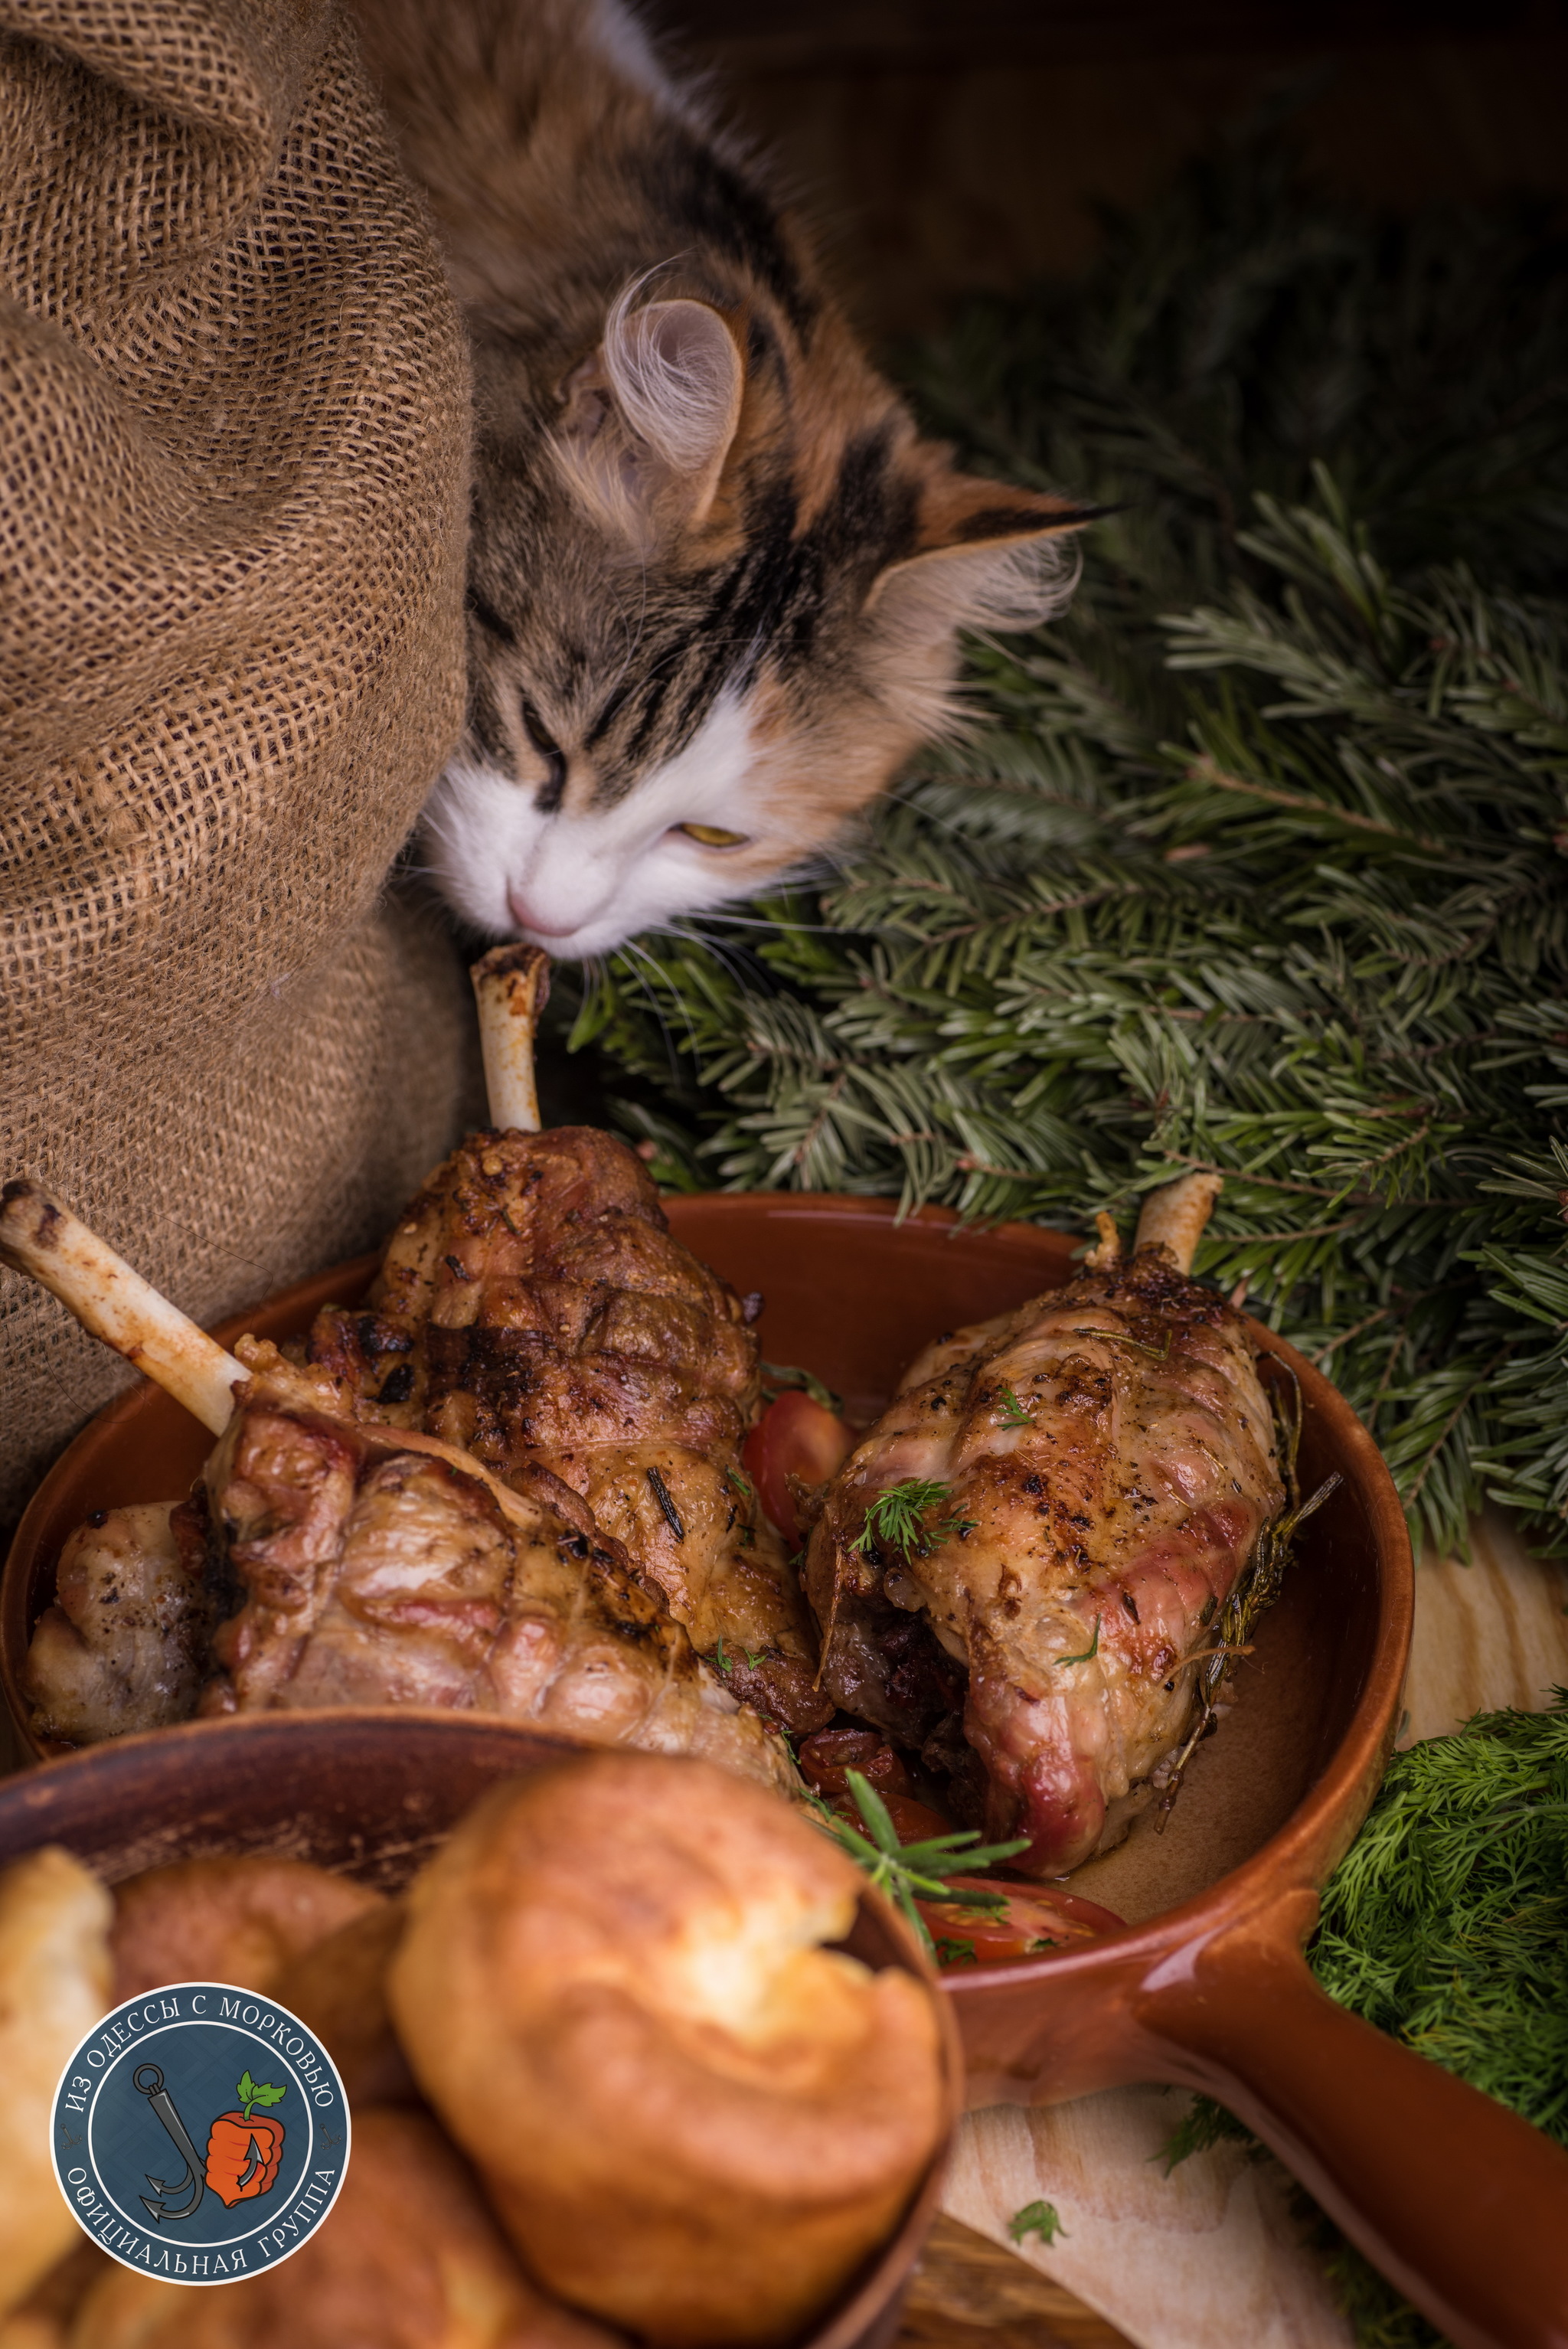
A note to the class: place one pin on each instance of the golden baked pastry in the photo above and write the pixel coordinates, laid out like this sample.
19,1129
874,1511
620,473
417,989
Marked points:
692,2118
236,1919
338,1989
44,2318
409,2259
55,1983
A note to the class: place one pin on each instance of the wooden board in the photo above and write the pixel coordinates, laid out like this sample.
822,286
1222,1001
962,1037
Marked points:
1209,2254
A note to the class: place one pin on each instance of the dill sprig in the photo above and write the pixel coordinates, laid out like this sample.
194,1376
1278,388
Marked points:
1090,1653
897,1519
906,1872
1446,1925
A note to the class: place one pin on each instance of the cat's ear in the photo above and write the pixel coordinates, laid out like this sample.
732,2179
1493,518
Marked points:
650,420
985,554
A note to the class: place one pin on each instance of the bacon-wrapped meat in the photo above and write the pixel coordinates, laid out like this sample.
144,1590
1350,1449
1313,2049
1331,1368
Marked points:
1016,1571
534,1308
373,1575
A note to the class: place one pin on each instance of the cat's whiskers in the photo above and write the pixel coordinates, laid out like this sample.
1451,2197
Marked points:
633,947
716,576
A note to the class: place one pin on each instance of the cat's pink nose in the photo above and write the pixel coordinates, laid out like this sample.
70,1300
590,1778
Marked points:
527,918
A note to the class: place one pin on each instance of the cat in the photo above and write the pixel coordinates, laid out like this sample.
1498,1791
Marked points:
716,577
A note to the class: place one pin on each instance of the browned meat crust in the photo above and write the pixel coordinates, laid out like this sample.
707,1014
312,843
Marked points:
534,1308
1107,1460
369,1575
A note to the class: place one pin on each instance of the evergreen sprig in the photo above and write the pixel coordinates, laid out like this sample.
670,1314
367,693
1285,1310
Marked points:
1260,861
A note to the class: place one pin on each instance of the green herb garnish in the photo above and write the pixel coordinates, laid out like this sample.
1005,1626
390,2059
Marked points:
1090,1653
1013,1411
1036,2219
896,1519
1124,1338
906,1871
955,1954
1446,1925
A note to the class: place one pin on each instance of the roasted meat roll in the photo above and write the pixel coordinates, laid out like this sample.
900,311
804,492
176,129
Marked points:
1015,1572
534,1308
368,1574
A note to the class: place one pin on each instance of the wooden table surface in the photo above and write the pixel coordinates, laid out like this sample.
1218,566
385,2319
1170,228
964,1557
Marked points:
1208,2257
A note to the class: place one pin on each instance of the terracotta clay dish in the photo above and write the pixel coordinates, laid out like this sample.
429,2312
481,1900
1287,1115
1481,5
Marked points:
1206,1986
373,1793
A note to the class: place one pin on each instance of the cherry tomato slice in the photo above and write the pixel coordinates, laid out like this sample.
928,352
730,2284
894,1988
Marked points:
794,1436
1032,1923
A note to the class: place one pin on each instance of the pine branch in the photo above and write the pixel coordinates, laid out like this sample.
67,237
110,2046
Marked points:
1255,862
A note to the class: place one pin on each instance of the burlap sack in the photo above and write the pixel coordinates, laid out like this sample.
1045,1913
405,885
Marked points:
232,490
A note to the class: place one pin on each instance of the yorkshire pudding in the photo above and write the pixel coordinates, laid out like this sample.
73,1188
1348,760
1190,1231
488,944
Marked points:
55,1978
692,2117
411,2259
234,1919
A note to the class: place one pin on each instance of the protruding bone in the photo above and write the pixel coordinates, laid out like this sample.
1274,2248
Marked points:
44,1240
1107,1249
1176,1217
512,985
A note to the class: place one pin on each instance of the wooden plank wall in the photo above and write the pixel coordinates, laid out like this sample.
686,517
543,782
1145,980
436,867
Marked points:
953,144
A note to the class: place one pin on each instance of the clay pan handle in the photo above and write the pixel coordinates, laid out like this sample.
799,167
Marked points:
1462,2204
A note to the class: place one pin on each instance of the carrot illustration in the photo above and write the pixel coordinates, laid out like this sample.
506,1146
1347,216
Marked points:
243,2152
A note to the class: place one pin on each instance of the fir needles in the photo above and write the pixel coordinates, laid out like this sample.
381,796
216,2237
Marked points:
1261,862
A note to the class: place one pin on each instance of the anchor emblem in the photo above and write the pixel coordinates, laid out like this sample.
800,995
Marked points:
147,2081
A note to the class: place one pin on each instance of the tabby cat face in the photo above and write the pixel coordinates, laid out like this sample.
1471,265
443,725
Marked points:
713,624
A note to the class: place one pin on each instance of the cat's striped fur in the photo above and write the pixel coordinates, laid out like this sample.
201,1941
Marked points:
716,576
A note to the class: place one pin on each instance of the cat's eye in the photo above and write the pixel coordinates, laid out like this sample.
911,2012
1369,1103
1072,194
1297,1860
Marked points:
710,835
551,793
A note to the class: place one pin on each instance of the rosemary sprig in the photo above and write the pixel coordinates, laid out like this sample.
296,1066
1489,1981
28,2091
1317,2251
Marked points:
667,1509
1012,1409
896,1519
1124,1338
1257,1586
908,1871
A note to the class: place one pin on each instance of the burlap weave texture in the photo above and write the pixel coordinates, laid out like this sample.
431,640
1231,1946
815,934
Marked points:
233,435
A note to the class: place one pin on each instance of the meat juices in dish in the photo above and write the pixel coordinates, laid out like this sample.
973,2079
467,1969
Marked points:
1105,1463
534,1308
